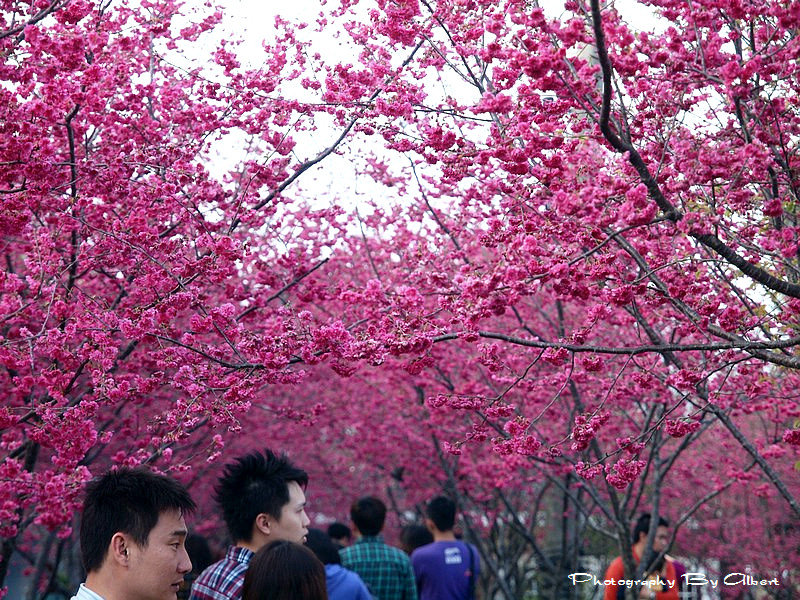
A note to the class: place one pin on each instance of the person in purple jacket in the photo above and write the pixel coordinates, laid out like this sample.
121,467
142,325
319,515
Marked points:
448,568
342,584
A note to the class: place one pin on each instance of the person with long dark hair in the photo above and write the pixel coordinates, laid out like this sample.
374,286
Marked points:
284,570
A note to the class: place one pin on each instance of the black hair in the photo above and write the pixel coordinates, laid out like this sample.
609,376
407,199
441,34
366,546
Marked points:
253,484
199,552
643,526
368,514
128,501
322,545
339,530
442,511
284,570
413,536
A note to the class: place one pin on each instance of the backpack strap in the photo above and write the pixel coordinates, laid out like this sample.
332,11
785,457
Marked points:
471,592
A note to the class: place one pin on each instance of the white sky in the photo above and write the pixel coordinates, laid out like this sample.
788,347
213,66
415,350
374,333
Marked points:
251,21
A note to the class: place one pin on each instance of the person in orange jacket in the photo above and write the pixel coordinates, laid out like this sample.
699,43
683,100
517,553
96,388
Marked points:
661,579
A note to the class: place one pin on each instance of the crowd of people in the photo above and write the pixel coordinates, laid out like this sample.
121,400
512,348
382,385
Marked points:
135,544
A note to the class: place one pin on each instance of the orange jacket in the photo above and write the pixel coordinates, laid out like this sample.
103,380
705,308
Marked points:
616,572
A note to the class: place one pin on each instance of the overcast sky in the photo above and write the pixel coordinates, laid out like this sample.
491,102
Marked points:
252,19
252,22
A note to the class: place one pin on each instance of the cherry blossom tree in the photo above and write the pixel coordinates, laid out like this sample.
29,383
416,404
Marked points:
572,297
126,296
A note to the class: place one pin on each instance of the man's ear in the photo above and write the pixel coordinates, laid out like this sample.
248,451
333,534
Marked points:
262,523
119,549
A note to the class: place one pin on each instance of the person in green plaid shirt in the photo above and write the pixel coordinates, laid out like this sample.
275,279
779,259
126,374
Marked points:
386,570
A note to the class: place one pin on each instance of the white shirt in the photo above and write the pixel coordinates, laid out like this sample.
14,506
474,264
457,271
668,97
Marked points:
85,593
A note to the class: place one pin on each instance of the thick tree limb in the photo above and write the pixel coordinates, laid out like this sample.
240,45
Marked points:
654,190
744,345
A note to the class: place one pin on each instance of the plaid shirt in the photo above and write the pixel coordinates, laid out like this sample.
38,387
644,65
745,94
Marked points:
223,580
386,570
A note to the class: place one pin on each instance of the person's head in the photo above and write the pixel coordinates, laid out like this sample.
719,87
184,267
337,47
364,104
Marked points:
340,533
323,547
262,497
132,534
642,528
199,551
441,512
284,570
368,514
414,536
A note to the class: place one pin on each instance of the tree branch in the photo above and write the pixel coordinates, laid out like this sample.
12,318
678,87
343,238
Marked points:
35,19
654,190
744,345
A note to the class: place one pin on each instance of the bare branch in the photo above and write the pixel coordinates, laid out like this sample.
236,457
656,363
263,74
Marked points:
654,190
35,19
744,345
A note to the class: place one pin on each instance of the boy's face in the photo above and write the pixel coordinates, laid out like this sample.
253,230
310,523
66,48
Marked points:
661,540
294,522
156,570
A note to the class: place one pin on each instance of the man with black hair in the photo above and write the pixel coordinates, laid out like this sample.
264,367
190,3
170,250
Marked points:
413,535
447,568
340,534
660,574
132,536
262,497
386,570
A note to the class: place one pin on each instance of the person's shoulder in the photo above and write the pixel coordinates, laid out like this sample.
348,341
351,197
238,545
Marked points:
424,550
353,579
390,554
671,568
471,549
356,587
344,583
350,554
208,572
85,593
615,569
226,572
335,573
395,552
213,568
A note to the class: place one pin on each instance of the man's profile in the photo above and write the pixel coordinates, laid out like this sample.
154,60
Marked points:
660,571
132,536
262,497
